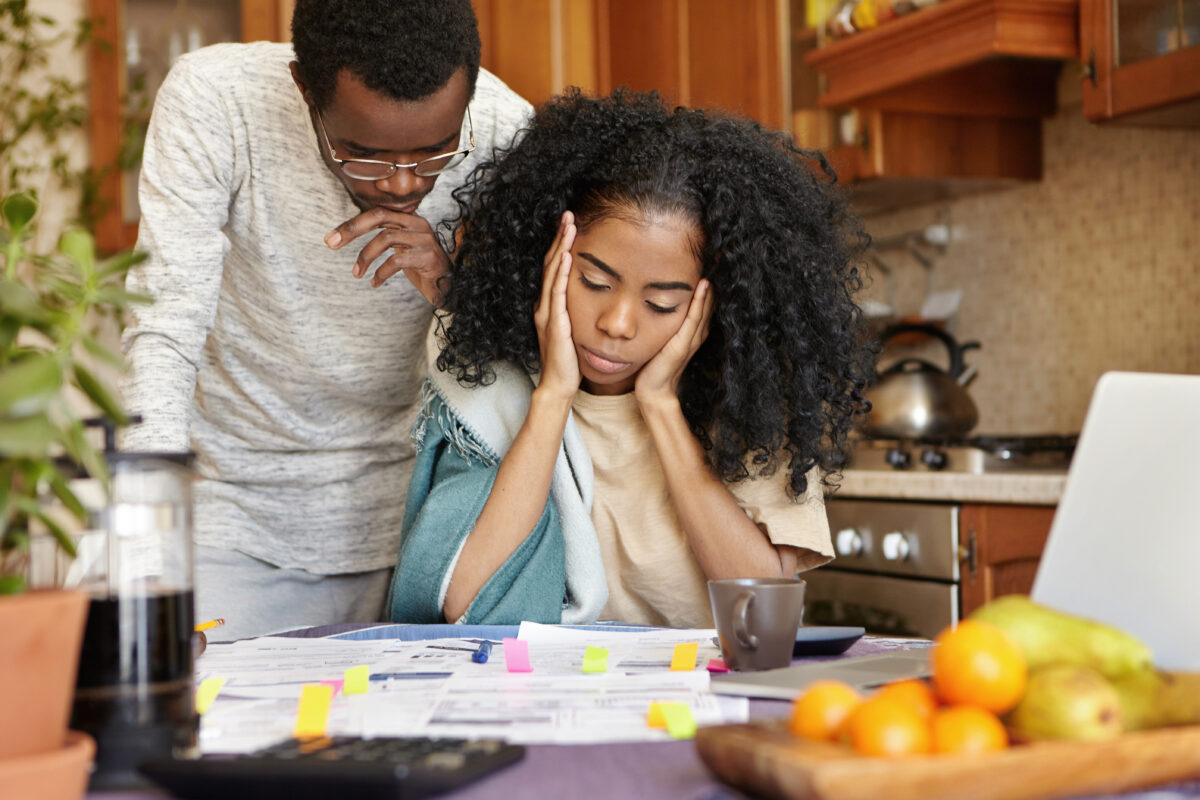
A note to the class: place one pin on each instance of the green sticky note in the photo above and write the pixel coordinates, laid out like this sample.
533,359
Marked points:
207,692
595,659
355,679
680,722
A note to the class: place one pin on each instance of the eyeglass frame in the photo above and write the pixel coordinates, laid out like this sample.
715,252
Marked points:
396,165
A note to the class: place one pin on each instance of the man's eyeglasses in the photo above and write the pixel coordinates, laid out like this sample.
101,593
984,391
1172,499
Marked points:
370,169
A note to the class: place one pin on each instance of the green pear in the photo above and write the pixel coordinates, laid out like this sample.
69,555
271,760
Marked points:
1047,636
1067,701
1156,699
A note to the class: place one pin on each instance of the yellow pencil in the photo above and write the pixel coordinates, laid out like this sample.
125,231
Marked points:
212,623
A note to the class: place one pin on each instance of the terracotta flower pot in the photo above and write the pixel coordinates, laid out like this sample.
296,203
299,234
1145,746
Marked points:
40,636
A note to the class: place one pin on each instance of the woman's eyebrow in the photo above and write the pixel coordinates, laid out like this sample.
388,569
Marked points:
666,286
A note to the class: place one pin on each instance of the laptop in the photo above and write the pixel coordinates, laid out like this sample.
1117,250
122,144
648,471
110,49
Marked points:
1124,547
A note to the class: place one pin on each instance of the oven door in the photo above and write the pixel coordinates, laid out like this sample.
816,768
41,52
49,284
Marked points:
881,604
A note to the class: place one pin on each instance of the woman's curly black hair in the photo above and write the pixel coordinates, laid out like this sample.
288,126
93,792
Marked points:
406,49
782,372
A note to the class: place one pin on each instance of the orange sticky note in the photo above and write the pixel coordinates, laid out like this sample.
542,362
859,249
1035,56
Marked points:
206,692
684,659
655,717
355,679
312,714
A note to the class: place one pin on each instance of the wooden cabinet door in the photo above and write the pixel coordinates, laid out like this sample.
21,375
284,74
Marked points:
1135,67
1000,546
703,53
113,125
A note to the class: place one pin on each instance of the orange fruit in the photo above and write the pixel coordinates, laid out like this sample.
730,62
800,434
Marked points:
967,729
917,693
885,726
821,710
977,663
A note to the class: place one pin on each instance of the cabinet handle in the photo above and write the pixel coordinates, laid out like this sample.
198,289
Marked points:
1089,67
969,554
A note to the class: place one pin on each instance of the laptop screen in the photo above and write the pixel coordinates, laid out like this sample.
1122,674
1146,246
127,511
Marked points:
1124,547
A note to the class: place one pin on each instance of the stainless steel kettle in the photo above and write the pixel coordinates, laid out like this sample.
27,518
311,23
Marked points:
913,399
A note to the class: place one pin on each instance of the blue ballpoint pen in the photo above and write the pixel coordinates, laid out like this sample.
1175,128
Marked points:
480,656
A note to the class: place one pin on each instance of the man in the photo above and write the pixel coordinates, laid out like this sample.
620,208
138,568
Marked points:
278,196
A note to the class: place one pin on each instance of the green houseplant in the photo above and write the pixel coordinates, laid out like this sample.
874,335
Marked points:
50,305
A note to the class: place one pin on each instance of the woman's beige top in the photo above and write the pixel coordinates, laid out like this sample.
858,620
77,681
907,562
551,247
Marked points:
653,577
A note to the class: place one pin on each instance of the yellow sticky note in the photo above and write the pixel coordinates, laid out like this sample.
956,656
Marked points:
685,657
680,722
207,692
655,717
595,659
312,715
355,679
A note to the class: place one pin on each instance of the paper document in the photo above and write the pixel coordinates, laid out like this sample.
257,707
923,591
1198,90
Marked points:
434,688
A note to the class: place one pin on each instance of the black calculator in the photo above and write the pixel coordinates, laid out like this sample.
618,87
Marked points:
336,767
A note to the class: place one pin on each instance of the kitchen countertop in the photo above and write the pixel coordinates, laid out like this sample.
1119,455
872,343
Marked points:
1023,488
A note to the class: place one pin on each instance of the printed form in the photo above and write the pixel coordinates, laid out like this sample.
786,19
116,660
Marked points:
434,688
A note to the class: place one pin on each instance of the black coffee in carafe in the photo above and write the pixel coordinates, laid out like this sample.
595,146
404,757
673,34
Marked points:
134,692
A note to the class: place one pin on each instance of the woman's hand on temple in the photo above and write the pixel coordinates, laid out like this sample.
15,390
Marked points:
659,378
560,364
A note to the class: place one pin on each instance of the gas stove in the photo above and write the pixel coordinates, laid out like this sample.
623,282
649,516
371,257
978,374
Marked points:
976,454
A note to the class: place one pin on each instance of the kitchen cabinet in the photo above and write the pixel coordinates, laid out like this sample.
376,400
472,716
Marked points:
539,47
705,53
946,101
999,548
1141,61
912,568
134,43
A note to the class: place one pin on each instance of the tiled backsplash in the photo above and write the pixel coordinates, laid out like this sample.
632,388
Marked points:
1095,268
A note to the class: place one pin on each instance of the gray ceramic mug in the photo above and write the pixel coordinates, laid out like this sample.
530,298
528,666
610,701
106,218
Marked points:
757,620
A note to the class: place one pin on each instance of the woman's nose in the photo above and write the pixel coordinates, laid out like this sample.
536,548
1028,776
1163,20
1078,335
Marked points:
619,320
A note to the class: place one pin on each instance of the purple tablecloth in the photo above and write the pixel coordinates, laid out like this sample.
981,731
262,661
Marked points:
633,770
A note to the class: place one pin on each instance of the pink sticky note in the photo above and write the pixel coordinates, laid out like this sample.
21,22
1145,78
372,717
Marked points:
717,665
516,655
335,684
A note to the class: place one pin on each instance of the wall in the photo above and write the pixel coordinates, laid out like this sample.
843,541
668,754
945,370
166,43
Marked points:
1095,268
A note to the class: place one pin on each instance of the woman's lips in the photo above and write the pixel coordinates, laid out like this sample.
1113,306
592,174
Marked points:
603,363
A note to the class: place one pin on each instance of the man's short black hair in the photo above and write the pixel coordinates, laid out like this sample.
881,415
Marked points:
406,49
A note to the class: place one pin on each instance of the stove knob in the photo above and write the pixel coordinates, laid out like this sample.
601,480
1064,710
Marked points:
899,459
934,459
849,542
895,546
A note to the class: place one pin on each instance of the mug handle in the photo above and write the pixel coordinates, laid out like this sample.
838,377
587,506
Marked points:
741,626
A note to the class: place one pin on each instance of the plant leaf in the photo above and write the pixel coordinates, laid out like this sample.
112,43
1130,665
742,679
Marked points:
83,452
18,209
100,352
121,262
26,386
99,395
12,584
26,436
61,536
19,300
78,245
62,490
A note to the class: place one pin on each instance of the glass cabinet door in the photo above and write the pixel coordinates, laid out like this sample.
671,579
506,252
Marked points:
135,43
1145,29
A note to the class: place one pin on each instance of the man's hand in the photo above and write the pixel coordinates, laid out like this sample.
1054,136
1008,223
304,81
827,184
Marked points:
410,238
